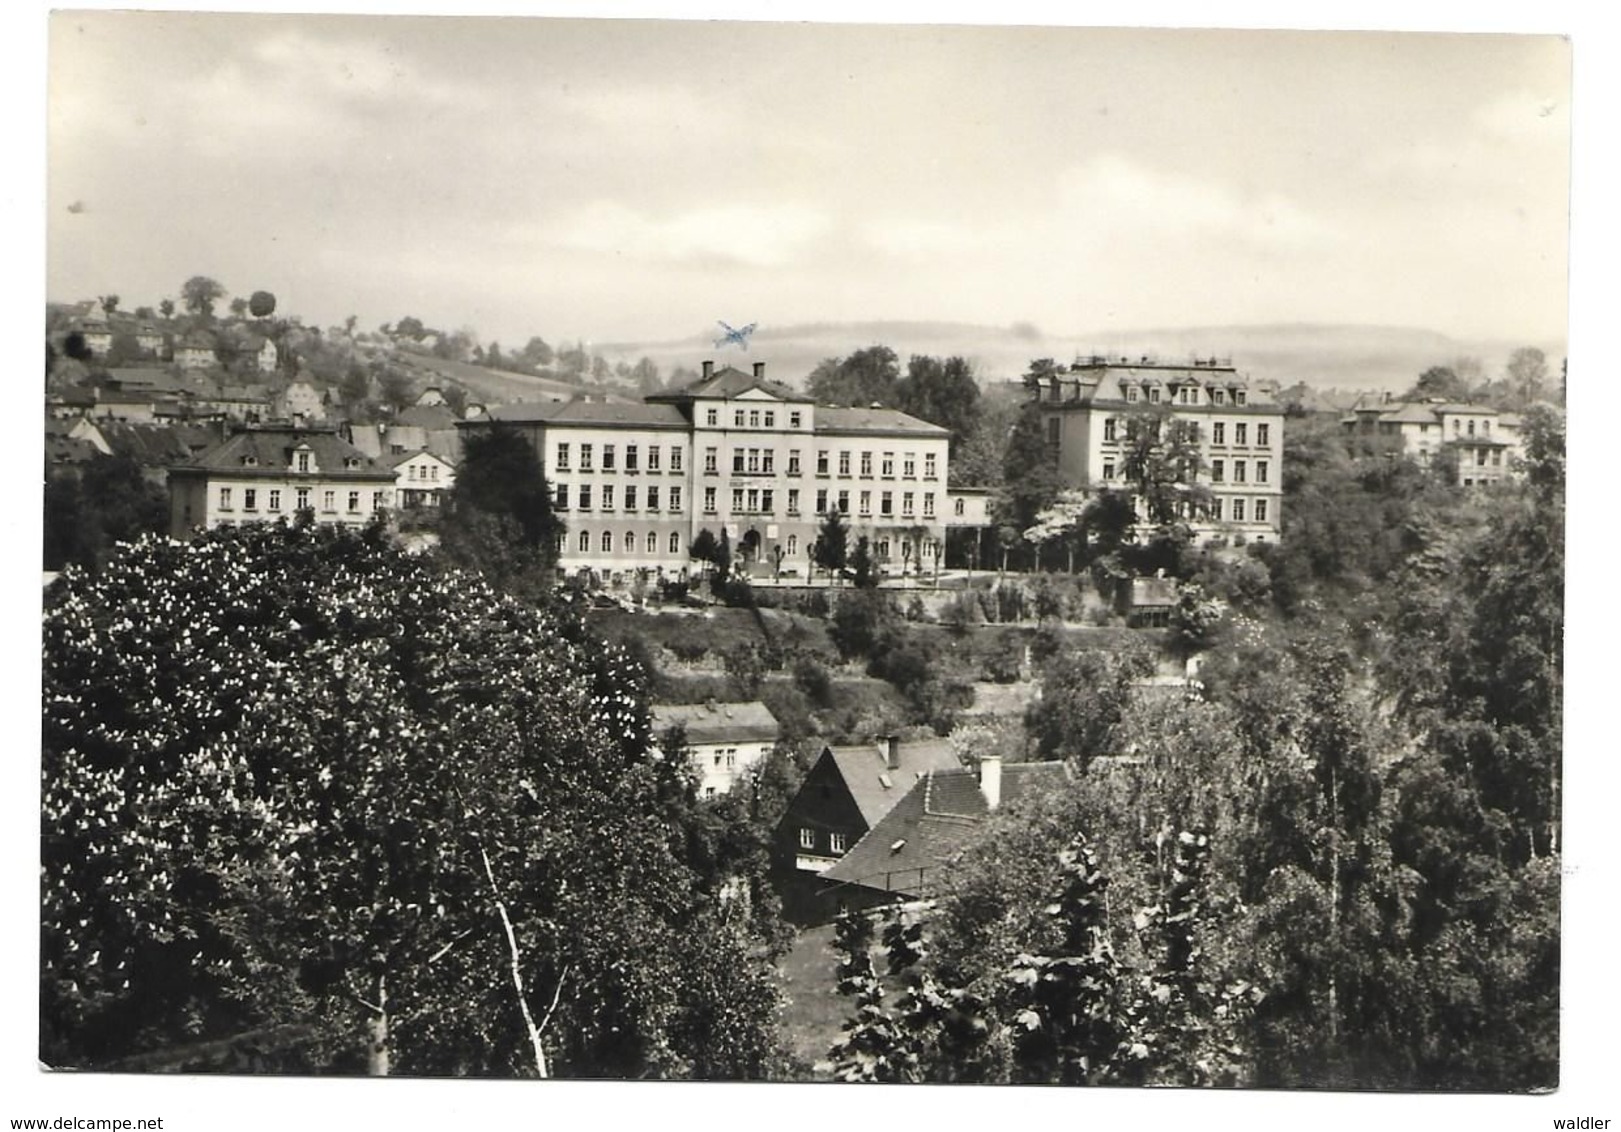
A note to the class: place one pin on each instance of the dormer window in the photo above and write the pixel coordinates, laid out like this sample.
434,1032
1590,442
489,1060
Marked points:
250,461
301,461
351,463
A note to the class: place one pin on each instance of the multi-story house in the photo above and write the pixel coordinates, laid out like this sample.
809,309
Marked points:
726,741
1229,427
422,479
268,472
734,452
1477,444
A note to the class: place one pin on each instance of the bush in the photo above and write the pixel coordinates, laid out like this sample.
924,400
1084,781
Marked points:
1003,660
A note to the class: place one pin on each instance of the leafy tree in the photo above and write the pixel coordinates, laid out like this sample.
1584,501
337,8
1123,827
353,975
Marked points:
1030,477
145,313
536,353
166,308
831,540
110,501
109,303
298,784
862,565
943,393
1527,374
1063,522
239,306
396,388
409,327
1085,696
262,304
646,376
499,517
1438,383
200,293
866,377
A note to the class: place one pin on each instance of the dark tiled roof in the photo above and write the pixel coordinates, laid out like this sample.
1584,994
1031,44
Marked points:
395,459
590,413
271,453
156,446
729,382
888,422
66,450
934,822
874,786
748,722
427,416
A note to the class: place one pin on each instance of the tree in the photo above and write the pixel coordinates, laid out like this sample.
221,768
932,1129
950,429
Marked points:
536,353
108,502
862,565
145,314
262,304
866,377
943,393
1085,696
1063,522
646,375
499,518
239,306
410,327
109,303
166,308
200,293
1030,477
396,388
831,540
1527,374
1438,383
302,791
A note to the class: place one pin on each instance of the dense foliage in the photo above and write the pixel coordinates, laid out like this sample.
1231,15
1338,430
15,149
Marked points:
306,794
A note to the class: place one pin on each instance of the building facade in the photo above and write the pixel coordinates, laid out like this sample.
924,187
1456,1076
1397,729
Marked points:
736,453
1231,426
1476,444
726,741
267,472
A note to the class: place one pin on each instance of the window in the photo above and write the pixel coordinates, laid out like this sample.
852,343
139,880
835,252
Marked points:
607,457
585,457
886,503
303,498
1108,429
928,466
711,456
225,499
630,542
652,457
1480,459
883,548
1153,394
1241,432
1260,471
957,506
562,457
1218,396
630,497
754,418
1215,509
768,501
909,466
928,504
793,420
864,503
1497,457
821,463
585,541
711,418
329,501
1260,510
1238,510
793,545
1218,471
866,465
793,501
753,498
275,499
377,501
250,499
844,463
1218,433
709,501
675,457
607,542
1239,396
631,458
844,502
1263,433
560,500
354,501
737,499
1131,393
675,499
821,500
793,461
607,497
768,461
738,456
835,842
770,419
652,498
1238,471
585,497
303,461
737,419
754,460
675,542
888,468
807,838
1108,469
1471,428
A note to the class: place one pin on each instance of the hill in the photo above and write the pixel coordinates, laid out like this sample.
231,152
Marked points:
499,387
1322,355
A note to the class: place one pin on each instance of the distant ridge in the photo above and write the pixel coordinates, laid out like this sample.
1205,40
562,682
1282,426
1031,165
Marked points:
1323,355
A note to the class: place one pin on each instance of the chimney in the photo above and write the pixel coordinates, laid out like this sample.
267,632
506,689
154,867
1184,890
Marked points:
990,780
892,751
759,369
709,369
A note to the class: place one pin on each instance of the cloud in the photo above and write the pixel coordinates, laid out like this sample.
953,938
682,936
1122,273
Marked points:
752,235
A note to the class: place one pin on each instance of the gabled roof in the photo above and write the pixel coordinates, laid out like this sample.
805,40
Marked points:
269,451
395,459
1410,412
935,821
886,422
590,413
68,450
747,722
427,416
728,382
874,786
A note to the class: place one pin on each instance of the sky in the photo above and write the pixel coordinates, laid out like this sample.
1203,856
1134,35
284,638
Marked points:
640,179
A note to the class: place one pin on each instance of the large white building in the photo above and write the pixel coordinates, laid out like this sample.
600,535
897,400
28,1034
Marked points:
1479,444
1089,414
734,452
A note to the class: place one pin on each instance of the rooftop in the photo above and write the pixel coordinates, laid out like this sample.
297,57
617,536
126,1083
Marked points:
267,450
589,413
746,722
874,784
874,420
728,382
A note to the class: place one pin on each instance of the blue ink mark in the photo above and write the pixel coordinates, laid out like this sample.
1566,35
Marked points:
739,336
